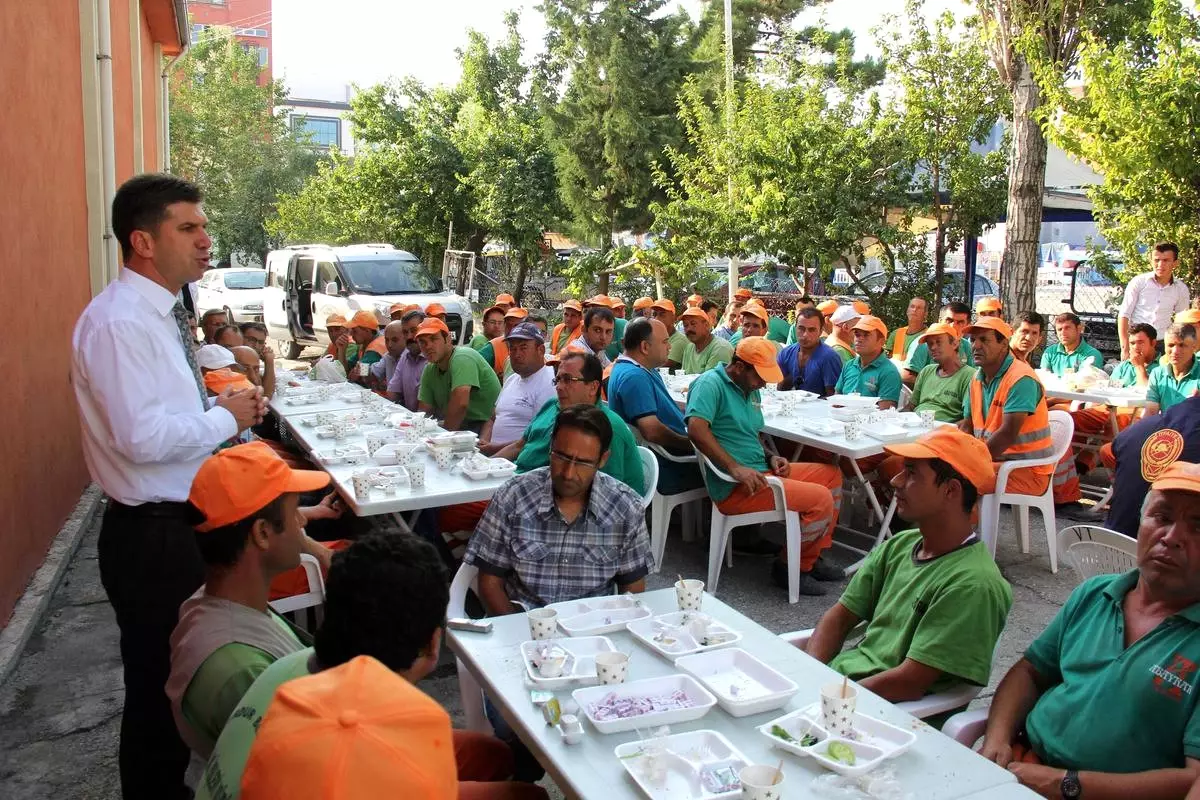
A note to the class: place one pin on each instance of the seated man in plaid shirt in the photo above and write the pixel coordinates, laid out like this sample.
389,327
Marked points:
565,531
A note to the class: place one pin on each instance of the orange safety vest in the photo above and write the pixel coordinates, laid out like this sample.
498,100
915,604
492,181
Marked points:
557,343
898,343
499,355
377,345
1034,439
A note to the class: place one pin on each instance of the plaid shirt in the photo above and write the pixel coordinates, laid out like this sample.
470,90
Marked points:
524,538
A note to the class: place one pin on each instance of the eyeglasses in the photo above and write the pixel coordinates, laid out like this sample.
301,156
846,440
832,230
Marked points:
253,340
570,379
578,462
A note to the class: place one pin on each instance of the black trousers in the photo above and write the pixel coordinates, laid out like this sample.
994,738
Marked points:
149,565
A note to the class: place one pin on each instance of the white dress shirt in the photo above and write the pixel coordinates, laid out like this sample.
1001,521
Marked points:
521,398
1148,301
146,430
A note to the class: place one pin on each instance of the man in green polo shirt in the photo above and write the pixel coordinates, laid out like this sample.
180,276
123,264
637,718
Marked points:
870,373
1071,351
1104,703
942,385
704,351
493,326
1179,378
957,314
578,382
933,598
458,386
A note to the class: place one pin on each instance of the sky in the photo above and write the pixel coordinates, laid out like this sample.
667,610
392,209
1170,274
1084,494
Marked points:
320,48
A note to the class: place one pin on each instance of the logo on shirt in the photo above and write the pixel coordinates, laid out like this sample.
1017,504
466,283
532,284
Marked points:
1173,680
1159,452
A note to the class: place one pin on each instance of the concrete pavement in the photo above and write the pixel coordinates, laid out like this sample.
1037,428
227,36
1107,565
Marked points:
60,708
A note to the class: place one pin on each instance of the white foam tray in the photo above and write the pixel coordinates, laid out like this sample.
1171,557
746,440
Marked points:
647,631
702,702
686,755
743,685
580,669
594,616
875,740
888,432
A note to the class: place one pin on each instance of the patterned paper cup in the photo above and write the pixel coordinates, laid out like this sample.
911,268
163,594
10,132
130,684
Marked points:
543,623
443,457
854,430
416,473
837,712
761,782
612,667
690,594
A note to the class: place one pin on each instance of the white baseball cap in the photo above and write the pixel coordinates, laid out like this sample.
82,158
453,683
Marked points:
214,356
844,314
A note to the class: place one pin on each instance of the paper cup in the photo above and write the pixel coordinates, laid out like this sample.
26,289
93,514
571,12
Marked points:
416,473
927,418
543,623
837,712
443,457
854,430
612,667
361,484
410,433
689,594
364,369
761,782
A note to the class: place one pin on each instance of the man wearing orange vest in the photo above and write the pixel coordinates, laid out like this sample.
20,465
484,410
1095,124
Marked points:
569,329
902,340
364,330
1006,407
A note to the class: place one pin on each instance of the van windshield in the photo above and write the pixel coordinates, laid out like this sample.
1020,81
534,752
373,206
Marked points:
390,276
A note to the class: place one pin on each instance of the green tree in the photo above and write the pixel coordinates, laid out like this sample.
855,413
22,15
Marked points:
226,137
1136,123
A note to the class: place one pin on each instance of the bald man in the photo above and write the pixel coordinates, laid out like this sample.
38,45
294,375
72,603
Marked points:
383,369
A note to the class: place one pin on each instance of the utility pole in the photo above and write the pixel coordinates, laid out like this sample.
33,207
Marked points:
730,109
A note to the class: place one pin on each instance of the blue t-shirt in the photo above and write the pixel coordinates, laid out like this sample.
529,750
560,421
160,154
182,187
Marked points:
823,369
635,392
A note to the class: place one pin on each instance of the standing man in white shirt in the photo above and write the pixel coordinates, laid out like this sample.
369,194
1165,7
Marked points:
147,428
524,392
1153,297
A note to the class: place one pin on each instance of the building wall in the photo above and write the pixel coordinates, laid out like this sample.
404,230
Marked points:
244,16
151,113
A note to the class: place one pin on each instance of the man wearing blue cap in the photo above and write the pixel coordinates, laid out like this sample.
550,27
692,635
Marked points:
529,388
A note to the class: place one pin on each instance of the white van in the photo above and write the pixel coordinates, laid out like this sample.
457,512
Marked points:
307,283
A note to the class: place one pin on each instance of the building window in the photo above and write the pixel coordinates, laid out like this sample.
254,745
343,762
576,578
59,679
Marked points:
197,29
262,57
261,33
321,131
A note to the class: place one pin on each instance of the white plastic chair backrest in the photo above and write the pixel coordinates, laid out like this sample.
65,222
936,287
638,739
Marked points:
467,578
315,595
1062,430
707,466
649,474
1092,550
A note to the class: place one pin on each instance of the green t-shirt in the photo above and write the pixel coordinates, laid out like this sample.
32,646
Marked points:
467,368
945,613
879,379
222,778
478,341
1023,397
488,351
777,329
1126,374
1110,707
718,351
919,358
221,681
678,343
1166,390
735,420
624,462
846,354
1056,358
618,343
943,396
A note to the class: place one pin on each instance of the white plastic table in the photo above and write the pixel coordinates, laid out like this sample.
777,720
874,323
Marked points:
1009,791
936,767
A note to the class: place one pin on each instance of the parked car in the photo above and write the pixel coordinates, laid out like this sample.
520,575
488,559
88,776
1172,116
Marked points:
953,287
237,292
307,283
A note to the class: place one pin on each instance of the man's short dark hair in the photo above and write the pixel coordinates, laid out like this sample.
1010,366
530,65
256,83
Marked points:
588,419
636,332
1067,316
590,370
810,312
416,314
212,312
385,596
222,547
1143,327
141,204
709,305
597,312
536,319
1032,318
1182,330
805,299
942,472
493,310
254,326
1167,247
958,307
219,332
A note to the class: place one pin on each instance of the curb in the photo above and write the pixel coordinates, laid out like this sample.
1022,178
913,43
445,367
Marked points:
33,603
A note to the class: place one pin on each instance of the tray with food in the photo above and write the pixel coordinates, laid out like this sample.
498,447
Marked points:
665,700
682,633
555,663
697,765
593,616
871,741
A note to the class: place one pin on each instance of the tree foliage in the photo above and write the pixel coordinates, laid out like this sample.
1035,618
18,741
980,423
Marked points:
226,137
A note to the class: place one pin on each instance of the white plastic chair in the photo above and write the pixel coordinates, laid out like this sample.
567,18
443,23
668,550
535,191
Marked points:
968,727
1062,428
664,505
314,598
649,475
467,578
928,706
1093,550
722,525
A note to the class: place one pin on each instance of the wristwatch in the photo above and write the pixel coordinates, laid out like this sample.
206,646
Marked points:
1070,788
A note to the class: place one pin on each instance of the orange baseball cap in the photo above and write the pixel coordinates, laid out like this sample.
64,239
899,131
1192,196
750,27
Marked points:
869,323
1181,476
598,300
242,479
757,310
862,308
991,324
1189,316
516,312
695,299
760,354
434,309
336,321
505,297
642,302
218,380
694,311
968,455
743,294
989,304
411,307
828,307
490,309
432,325
363,319
664,305
574,305
937,329
394,308
355,732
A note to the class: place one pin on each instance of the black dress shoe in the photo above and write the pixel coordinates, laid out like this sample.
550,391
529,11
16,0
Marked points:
824,571
1083,514
756,547
808,585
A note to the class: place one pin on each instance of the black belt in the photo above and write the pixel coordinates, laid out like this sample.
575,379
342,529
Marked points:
166,508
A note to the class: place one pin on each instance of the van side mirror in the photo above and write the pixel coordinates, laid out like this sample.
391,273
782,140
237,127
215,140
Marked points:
331,288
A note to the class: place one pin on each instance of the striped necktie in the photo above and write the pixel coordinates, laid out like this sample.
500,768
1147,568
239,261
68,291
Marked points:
185,340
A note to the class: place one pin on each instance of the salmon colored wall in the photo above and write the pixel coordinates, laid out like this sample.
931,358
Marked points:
44,272
122,83
150,84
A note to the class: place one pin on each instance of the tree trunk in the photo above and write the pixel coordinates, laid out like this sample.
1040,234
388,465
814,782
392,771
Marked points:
939,240
522,267
1026,186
